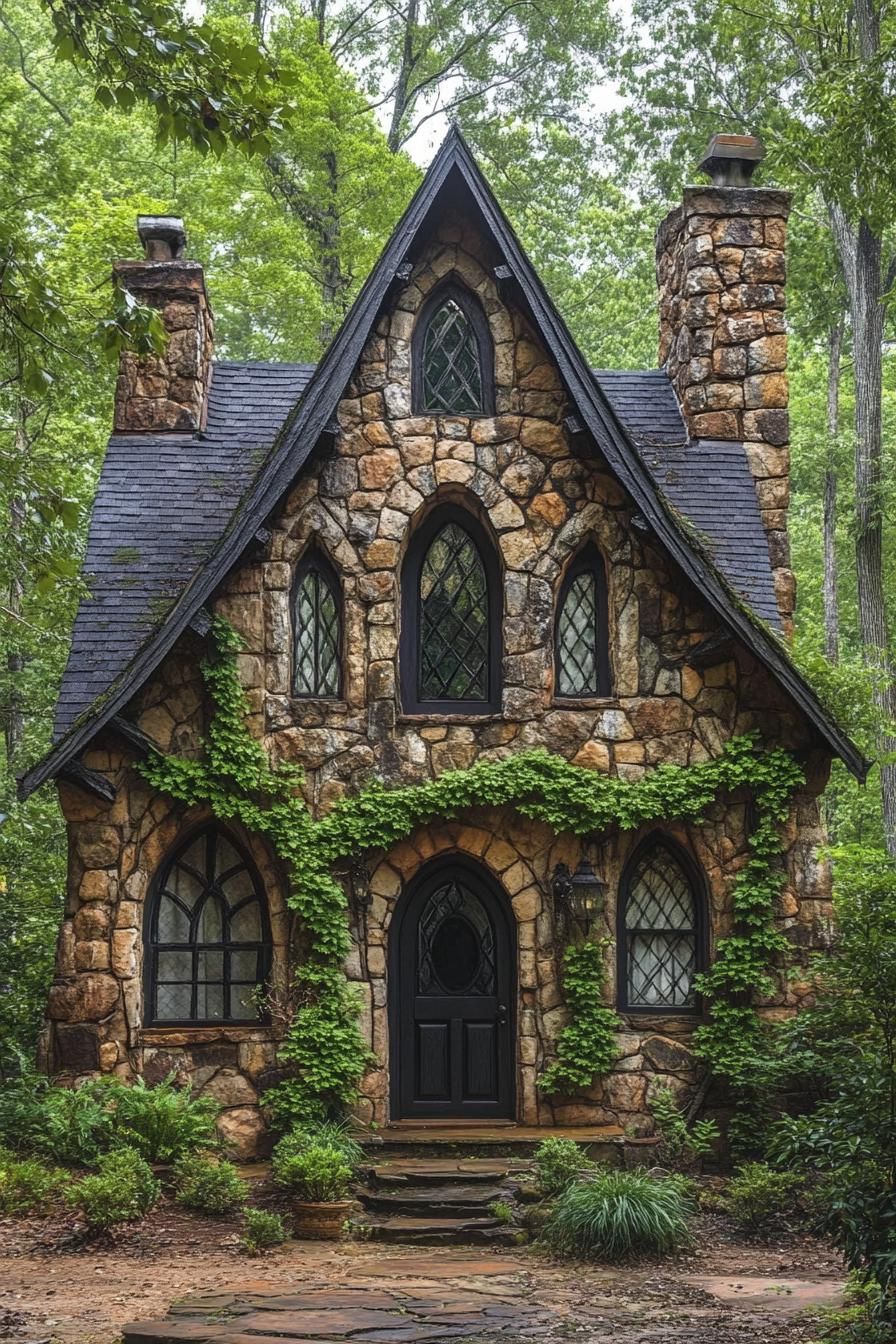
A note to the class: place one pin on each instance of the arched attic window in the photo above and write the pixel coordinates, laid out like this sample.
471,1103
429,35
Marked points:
208,935
451,617
317,628
661,935
452,356
581,637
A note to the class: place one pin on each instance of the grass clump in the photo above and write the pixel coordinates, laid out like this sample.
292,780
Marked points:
334,1134
207,1183
261,1230
762,1200
558,1163
122,1190
617,1214
28,1186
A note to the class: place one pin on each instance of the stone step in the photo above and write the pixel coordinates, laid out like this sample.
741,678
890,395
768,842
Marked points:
419,1171
432,1231
604,1143
452,1200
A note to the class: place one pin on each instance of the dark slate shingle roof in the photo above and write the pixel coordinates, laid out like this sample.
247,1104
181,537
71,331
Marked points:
164,501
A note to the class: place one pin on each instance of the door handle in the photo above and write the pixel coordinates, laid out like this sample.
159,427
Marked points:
502,1014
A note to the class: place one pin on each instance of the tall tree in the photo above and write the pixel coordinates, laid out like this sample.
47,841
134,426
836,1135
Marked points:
822,95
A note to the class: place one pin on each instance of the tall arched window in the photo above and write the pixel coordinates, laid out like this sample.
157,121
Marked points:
208,938
451,617
453,362
581,639
661,931
317,629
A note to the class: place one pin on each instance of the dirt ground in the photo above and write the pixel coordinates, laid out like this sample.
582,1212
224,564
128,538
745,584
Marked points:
722,1291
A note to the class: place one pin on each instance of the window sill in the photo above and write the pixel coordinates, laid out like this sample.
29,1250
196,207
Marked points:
199,1033
439,719
585,702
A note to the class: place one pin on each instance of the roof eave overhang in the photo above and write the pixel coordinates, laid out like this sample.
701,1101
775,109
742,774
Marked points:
304,427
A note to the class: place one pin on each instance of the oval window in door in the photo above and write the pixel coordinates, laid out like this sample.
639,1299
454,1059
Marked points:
456,944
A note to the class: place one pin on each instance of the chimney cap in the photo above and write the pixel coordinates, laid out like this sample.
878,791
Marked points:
164,237
730,160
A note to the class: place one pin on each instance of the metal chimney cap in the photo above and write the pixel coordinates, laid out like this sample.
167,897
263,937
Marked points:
731,160
164,237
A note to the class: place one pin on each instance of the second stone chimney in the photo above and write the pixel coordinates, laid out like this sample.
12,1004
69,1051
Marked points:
720,259
167,392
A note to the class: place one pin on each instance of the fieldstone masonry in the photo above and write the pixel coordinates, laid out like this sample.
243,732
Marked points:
721,270
168,391
540,501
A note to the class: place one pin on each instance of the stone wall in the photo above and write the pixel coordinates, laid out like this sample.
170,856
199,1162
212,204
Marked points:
721,268
158,393
361,503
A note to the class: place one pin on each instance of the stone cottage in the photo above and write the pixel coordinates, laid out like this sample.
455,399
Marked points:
449,541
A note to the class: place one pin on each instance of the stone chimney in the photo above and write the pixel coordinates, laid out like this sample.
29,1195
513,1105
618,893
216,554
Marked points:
721,271
158,393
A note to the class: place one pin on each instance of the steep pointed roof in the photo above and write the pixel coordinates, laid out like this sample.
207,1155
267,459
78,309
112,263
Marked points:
455,172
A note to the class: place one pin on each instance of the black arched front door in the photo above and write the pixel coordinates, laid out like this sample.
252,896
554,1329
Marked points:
453,988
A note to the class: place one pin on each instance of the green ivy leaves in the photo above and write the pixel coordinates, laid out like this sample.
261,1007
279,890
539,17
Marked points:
323,1046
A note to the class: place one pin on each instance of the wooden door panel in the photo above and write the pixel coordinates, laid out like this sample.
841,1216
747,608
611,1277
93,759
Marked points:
480,1061
434,1061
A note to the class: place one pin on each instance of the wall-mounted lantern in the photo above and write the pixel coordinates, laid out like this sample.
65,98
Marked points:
359,885
580,895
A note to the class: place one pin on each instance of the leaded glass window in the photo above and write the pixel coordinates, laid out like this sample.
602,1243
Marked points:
454,619
317,628
660,932
455,944
209,947
582,644
452,369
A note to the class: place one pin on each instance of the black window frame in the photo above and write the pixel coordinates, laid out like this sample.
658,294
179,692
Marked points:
475,315
315,561
152,946
697,883
411,614
588,560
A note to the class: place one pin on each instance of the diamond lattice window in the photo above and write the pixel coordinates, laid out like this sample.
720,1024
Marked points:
316,622
661,934
452,373
209,949
577,638
454,633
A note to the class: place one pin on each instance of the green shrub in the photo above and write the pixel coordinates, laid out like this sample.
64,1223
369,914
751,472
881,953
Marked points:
683,1145
27,1186
617,1214
69,1125
261,1230
335,1134
161,1123
123,1189
559,1162
762,1200
316,1173
209,1184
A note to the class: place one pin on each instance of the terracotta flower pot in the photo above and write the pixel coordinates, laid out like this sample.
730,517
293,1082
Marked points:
320,1222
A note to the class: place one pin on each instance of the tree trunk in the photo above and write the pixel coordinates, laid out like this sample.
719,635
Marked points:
831,609
13,716
408,61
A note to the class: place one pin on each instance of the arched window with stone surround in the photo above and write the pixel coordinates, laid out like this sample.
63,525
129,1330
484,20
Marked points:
451,617
661,936
208,942
581,635
452,356
317,629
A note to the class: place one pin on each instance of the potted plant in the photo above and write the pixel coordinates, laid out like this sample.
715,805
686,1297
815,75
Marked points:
318,1180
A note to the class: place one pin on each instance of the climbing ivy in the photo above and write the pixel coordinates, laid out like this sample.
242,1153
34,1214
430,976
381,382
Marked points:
586,1047
323,1046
